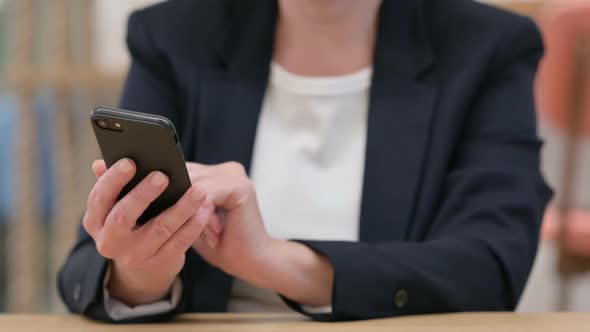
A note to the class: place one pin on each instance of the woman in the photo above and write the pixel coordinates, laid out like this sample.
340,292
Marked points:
395,139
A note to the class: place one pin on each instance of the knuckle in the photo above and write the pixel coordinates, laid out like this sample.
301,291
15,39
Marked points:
96,198
87,223
236,167
139,195
182,242
161,230
243,192
104,248
118,214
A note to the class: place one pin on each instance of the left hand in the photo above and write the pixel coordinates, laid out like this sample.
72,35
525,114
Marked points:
236,240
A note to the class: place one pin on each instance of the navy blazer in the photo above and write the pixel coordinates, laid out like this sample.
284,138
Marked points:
453,196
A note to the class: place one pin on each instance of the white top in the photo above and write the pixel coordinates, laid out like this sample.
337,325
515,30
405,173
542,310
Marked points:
307,166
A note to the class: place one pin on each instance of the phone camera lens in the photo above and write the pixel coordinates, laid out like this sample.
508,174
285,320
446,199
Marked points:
102,124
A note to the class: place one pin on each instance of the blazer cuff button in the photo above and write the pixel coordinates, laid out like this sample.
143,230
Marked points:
76,292
401,298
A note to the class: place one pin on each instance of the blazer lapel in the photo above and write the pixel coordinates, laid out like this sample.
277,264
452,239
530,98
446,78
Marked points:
230,106
400,115
231,95
400,110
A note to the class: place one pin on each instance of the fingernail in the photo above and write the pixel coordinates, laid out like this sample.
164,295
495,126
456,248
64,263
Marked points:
217,228
158,179
125,165
197,194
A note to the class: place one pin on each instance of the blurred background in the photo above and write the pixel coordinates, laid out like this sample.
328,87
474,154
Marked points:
61,58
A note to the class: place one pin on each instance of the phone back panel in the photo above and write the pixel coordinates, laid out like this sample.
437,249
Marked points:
151,142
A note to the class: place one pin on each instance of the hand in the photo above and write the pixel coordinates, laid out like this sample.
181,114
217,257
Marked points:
241,246
236,240
146,259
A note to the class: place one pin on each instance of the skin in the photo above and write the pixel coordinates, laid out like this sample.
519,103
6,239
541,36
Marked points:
326,37
146,260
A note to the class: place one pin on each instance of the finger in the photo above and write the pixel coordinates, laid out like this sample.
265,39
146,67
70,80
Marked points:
207,253
202,248
186,235
199,171
91,227
577,233
99,168
104,194
550,226
211,237
228,191
215,223
160,229
123,217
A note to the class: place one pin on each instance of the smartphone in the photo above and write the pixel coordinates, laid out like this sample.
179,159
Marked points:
151,142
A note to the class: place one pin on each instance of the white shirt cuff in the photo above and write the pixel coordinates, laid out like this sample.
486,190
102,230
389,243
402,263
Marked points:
118,310
317,310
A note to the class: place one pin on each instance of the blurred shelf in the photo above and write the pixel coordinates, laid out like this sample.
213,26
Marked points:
530,8
31,77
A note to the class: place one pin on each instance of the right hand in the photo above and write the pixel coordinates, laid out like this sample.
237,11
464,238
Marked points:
147,259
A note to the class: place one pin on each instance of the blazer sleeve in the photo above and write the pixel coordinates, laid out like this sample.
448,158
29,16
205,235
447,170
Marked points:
149,88
479,250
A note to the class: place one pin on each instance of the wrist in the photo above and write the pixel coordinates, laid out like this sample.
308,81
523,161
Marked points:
295,271
258,270
277,264
137,286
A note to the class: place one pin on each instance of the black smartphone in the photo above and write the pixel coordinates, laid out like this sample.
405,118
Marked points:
151,142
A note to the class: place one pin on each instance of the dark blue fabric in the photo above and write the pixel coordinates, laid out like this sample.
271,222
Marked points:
453,196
